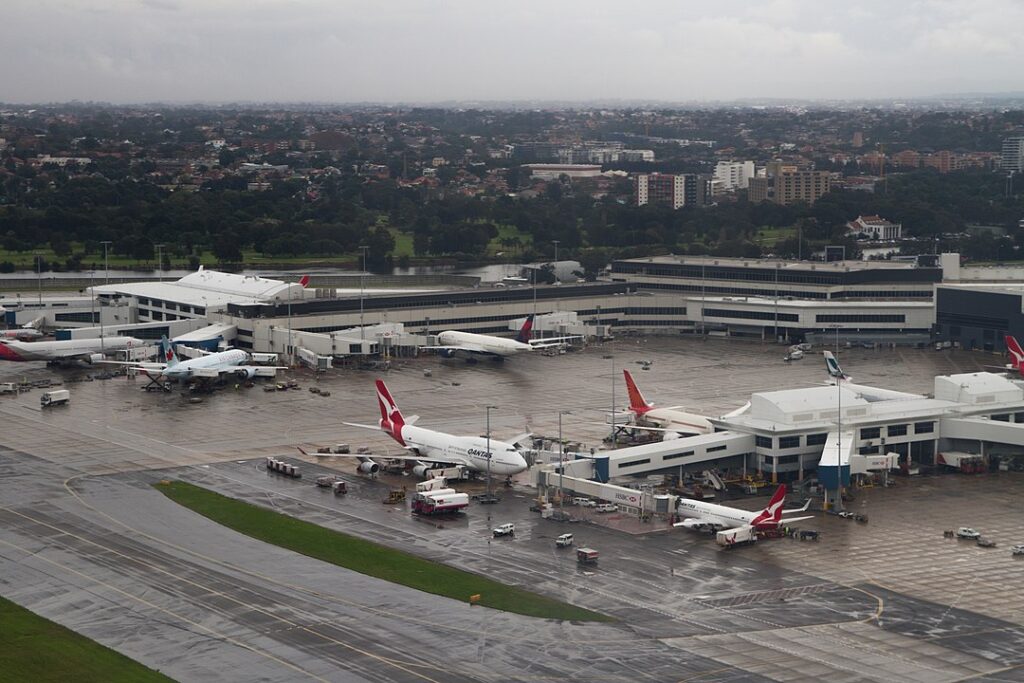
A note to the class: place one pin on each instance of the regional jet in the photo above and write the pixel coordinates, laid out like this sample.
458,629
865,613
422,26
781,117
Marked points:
429,447
211,366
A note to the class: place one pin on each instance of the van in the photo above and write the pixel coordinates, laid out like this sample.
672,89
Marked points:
585,502
55,398
8,388
564,541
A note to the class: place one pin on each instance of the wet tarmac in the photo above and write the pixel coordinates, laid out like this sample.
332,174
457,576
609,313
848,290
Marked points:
85,541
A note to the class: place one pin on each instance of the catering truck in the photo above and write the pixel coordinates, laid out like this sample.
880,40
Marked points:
56,397
439,502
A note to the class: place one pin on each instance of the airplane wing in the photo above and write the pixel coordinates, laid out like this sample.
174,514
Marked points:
360,455
552,341
375,428
695,523
807,504
789,520
469,348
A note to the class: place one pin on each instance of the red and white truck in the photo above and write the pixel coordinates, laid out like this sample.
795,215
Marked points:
439,502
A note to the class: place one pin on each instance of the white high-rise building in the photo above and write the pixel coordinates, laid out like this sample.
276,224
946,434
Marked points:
1012,157
733,175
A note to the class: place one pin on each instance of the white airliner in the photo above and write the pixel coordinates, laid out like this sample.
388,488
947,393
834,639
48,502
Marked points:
428,446
711,517
209,367
452,343
22,334
88,350
672,421
870,394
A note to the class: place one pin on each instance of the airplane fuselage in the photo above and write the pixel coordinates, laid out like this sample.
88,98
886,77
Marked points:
14,350
683,422
470,451
482,343
718,516
222,359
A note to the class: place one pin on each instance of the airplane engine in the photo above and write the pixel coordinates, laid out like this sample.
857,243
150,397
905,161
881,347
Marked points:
367,466
447,353
95,357
244,374
420,469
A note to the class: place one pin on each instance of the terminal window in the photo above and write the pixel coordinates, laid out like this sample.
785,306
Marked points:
1002,417
763,441
897,430
924,427
871,433
789,442
817,439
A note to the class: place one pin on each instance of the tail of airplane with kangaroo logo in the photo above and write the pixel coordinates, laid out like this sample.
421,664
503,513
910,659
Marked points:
391,420
526,331
771,516
1016,353
637,404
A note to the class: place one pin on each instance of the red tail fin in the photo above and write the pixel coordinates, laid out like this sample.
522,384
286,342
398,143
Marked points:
771,516
391,419
637,404
304,280
1015,352
526,331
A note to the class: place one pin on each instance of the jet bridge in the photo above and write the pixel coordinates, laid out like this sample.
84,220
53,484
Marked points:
982,429
691,450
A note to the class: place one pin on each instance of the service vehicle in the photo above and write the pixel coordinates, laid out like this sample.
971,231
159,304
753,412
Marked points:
439,502
606,507
588,503
968,533
8,388
578,500
504,530
741,535
57,397
1017,549
564,541
985,542
586,556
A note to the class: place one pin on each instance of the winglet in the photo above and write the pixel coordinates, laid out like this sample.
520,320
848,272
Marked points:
772,514
526,331
637,404
1015,351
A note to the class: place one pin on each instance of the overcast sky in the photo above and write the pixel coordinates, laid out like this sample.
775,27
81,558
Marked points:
431,50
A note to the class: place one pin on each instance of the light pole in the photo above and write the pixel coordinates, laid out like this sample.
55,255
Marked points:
489,409
558,301
160,261
561,464
39,276
106,263
362,333
611,357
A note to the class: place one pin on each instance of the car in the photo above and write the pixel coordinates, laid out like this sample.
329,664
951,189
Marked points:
504,530
587,503
578,500
1017,549
607,507
985,542
564,541
968,533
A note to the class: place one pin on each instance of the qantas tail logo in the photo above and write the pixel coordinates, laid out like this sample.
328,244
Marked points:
637,404
1015,351
771,516
304,280
526,331
391,420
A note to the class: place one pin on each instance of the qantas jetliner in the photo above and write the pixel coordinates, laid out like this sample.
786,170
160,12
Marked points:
452,343
88,350
669,420
428,446
1016,357
711,517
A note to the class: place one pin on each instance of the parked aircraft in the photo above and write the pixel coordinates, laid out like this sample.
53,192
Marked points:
672,421
452,343
208,367
21,334
870,394
712,517
1016,363
88,350
428,446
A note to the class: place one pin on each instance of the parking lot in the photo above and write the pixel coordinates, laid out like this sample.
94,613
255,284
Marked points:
85,541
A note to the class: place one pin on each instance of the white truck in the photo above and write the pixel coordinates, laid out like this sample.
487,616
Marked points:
740,535
8,388
56,397
504,530
434,484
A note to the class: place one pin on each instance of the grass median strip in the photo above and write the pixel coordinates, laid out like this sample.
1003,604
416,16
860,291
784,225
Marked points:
36,649
367,557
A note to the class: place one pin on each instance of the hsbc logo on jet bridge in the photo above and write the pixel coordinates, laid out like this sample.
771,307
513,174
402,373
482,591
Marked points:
630,498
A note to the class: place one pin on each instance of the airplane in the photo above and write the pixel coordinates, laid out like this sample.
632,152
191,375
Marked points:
22,334
870,394
1016,356
673,421
89,350
452,343
211,366
712,517
428,446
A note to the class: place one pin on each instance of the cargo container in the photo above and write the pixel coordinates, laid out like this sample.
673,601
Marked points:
55,398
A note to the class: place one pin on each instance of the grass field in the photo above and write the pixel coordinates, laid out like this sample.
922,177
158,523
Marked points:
38,650
366,557
770,236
